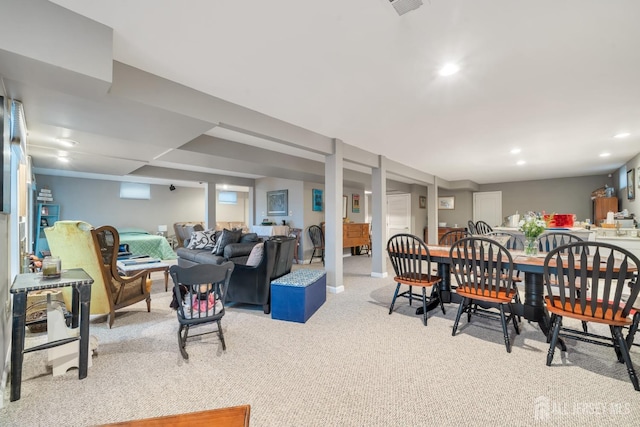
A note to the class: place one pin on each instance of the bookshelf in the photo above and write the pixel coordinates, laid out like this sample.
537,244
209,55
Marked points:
48,214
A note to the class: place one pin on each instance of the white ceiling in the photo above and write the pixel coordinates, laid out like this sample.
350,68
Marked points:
557,79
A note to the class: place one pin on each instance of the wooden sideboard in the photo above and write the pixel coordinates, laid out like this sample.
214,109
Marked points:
441,232
354,234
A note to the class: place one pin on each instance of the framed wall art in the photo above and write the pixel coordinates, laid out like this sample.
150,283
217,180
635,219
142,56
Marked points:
446,202
316,197
423,202
631,188
355,203
278,203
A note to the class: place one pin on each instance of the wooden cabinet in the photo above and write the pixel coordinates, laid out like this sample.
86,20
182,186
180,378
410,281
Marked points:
441,232
48,214
353,234
602,205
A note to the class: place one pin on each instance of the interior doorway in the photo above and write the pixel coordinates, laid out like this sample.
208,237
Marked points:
487,206
398,214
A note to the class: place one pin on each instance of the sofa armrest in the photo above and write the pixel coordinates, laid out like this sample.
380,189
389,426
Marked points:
234,250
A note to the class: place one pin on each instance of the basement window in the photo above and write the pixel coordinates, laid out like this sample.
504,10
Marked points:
131,190
228,197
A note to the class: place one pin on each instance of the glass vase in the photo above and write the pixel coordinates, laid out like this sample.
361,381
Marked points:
531,246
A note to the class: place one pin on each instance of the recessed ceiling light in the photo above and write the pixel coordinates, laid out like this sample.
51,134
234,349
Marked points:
521,162
66,142
63,159
449,69
515,151
622,135
605,154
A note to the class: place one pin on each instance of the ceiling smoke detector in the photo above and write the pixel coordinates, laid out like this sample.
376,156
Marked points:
404,6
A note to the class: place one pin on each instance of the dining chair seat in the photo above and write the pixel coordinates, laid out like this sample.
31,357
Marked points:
590,314
504,295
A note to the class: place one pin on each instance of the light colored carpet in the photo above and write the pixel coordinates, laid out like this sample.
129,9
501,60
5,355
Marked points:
351,364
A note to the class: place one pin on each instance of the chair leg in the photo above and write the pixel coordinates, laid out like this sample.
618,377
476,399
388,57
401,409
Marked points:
633,328
616,344
183,331
410,295
393,301
622,345
505,332
514,319
424,305
221,335
554,339
439,295
553,319
461,309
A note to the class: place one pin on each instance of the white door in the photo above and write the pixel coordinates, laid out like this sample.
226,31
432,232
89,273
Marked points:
487,206
398,214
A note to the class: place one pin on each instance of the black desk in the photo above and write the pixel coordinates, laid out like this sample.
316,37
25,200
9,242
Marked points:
25,283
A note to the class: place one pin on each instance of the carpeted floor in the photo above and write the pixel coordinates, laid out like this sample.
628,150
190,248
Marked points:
351,364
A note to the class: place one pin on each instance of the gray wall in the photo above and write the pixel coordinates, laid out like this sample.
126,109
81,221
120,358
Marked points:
98,202
562,195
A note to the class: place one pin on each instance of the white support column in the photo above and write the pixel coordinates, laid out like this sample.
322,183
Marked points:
379,219
210,205
333,218
432,212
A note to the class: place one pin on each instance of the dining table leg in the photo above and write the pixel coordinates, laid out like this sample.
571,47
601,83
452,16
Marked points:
533,308
444,272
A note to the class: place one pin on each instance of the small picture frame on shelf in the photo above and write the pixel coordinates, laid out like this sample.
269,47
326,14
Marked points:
44,222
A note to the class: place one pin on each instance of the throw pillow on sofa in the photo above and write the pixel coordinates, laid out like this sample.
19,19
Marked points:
227,237
255,257
202,240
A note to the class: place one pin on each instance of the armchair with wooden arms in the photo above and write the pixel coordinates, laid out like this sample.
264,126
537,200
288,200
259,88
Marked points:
79,245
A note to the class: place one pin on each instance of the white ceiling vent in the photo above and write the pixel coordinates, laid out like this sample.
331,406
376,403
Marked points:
404,6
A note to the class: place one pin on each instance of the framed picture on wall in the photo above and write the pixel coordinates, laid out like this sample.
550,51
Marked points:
631,179
446,202
423,202
316,196
278,203
355,203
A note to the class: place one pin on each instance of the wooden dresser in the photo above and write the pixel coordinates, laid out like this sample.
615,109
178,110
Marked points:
354,234
441,231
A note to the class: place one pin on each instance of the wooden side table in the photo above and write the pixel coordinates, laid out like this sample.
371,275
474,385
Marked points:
25,283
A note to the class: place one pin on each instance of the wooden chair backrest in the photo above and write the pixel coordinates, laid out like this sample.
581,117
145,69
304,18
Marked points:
482,264
410,258
618,268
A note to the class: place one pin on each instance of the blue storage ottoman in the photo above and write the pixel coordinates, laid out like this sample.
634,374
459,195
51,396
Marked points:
297,295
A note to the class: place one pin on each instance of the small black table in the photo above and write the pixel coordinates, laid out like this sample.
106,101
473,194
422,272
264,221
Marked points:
25,283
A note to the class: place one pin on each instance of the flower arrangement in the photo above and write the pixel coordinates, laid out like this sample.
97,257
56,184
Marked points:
532,226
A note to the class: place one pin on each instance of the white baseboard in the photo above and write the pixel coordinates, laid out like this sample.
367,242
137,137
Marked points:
379,275
335,289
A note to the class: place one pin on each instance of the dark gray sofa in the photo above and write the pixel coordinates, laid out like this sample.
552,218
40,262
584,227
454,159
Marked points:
235,252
